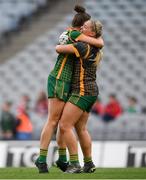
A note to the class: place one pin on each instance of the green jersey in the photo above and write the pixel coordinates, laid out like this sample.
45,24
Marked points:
64,66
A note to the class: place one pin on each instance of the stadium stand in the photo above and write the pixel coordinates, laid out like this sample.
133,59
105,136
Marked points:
122,70
126,127
13,12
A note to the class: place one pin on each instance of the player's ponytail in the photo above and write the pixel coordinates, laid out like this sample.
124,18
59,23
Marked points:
80,17
79,9
98,57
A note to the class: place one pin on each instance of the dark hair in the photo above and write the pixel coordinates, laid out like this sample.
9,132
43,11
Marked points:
133,98
112,95
8,103
80,17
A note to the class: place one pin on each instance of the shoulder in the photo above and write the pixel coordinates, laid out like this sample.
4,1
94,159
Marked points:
82,48
74,34
63,38
81,44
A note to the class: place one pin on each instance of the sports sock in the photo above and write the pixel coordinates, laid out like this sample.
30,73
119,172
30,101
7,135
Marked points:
43,155
87,159
74,158
62,154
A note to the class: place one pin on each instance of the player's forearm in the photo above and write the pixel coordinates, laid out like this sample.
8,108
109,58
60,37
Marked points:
98,42
65,49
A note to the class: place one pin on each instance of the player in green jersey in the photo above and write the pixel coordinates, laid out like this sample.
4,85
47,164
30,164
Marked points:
59,82
84,92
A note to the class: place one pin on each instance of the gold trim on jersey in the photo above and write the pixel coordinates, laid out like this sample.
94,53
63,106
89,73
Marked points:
76,51
88,51
62,66
82,88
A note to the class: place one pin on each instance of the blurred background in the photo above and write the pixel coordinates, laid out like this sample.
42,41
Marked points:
29,31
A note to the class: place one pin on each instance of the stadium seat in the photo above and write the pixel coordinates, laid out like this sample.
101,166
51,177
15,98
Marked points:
122,69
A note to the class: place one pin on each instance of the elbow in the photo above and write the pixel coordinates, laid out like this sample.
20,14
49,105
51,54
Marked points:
57,49
101,43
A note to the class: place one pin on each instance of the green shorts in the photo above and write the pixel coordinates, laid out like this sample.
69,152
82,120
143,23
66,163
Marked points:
83,102
58,89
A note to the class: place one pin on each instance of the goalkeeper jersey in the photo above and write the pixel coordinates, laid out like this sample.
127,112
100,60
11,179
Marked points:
64,66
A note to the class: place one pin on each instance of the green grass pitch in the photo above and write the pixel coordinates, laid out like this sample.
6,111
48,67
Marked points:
54,173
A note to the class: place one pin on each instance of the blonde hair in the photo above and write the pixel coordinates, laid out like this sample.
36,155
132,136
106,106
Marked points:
97,28
98,57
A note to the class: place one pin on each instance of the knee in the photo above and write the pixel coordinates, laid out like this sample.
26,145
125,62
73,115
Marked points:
53,121
63,127
80,131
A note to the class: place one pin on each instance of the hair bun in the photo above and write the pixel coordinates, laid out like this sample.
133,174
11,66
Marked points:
79,9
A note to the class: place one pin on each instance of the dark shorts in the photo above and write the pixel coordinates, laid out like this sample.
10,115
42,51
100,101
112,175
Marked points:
83,102
58,89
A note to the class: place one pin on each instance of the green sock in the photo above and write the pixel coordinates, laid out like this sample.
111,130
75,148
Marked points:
74,158
87,159
62,154
43,155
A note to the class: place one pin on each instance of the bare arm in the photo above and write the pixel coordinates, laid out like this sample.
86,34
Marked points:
65,49
98,42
